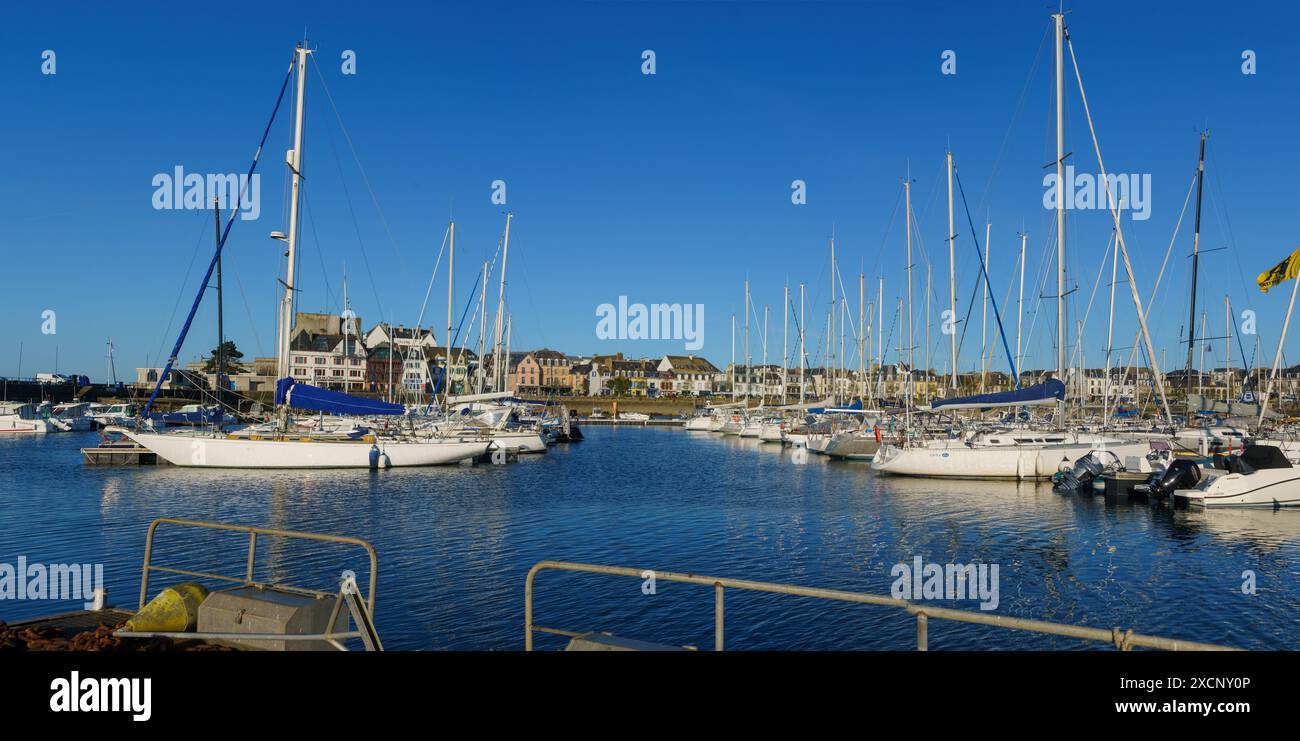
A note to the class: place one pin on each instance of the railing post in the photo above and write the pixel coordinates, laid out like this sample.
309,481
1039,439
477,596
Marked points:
922,632
717,616
252,553
148,555
528,609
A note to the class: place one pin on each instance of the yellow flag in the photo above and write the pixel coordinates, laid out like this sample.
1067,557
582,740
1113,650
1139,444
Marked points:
1283,271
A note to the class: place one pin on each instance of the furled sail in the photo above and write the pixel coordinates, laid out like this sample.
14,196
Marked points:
1049,392
305,396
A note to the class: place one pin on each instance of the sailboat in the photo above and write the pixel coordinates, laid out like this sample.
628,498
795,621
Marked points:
281,446
1022,453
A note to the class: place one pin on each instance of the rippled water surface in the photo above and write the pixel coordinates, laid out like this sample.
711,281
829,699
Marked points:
455,544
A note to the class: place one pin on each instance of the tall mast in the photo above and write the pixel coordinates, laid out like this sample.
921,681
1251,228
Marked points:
785,343
749,374
927,331
1196,257
903,378
1144,333
733,356
1110,333
112,368
984,315
764,384
294,161
830,336
862,355
952,279
221,329
498,374
510,321
880,332
482,326
1227,348
1200,374
451,264
911,337
1059,23
1020,305
802,351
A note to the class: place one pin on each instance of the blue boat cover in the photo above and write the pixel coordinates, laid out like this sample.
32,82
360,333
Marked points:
856,406
306,396
1050,392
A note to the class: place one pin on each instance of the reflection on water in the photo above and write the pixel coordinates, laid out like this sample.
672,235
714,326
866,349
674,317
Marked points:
455,543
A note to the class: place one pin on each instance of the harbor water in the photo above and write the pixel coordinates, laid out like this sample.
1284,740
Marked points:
455,544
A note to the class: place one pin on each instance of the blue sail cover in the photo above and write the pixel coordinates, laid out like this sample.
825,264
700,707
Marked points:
1050,392
305,396
856,406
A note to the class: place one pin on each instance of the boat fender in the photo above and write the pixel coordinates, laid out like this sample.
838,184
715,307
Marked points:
374,456
174,610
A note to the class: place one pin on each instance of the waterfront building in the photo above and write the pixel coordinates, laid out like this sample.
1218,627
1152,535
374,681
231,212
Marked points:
686,375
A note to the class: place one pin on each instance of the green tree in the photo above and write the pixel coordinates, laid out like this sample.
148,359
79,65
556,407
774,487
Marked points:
233,356
619,386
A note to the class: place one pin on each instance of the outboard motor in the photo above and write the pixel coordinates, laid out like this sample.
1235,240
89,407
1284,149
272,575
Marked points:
1081,475
1181,474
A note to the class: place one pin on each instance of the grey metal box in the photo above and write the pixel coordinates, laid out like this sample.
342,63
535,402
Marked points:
253,609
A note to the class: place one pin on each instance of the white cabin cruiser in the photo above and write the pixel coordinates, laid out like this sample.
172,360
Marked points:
1259,477
23,417
72,416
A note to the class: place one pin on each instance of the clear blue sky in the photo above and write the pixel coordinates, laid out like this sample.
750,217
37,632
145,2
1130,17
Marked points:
670,188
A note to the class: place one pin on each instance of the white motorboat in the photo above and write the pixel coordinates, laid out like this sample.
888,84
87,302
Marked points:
633,417
23,417
72,416
1259,477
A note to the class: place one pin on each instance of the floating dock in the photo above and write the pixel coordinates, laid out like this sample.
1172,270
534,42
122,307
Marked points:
121,454
633,422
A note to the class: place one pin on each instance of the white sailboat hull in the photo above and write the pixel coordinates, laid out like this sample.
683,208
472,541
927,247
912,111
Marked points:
520,442
226,452
959,461
702,424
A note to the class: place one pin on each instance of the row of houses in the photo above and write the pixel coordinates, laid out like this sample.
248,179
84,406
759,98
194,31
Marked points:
334,352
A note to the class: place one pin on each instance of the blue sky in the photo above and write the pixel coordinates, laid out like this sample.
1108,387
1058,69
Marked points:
666,188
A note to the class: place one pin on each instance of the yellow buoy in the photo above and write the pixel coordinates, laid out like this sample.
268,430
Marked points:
174,610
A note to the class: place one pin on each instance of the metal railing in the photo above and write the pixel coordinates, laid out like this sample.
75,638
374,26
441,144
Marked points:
253,531
1123,640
